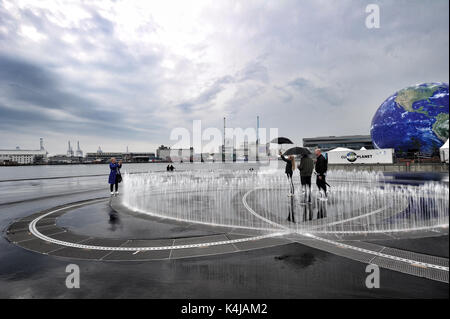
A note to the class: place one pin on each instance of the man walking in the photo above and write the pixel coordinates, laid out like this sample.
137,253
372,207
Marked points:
321,170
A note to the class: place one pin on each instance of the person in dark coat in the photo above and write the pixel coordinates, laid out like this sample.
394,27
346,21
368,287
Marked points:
289,170
114,175
321,171
306,168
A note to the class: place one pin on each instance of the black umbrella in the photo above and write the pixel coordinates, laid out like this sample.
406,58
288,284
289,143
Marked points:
297,151
281,140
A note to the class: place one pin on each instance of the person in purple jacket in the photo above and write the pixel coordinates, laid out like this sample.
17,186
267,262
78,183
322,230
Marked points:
114,176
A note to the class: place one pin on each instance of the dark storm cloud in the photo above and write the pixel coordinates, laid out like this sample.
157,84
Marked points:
101,24
24,82
138,70
326,94
28,90
254,71
208,95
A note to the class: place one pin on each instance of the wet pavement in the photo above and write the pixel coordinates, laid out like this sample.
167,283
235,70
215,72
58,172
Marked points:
288,271
100,220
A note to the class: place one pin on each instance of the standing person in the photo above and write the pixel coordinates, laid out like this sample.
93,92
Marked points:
114,176
321,171
306,168
289,170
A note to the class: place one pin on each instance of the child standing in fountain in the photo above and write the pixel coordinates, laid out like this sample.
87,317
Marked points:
290,168
114,176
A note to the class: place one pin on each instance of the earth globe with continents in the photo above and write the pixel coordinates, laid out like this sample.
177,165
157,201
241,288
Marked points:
413,119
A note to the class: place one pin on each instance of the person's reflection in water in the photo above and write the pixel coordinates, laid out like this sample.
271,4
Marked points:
291,216
114,220
307,212
321,210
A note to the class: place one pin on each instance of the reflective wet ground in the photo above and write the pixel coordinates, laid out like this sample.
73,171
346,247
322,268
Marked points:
289,271
100,220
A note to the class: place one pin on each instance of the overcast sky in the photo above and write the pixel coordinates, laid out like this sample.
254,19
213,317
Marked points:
118,73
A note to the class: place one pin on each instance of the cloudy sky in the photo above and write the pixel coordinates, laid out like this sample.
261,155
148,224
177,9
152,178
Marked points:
118,73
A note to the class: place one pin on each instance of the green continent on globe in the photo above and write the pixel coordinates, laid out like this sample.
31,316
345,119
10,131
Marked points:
413,119
407,97
440,127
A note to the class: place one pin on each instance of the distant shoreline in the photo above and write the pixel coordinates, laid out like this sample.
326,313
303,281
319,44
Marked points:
64,164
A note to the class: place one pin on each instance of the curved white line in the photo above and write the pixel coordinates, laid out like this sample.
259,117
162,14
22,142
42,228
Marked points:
244,201
311,230
356,232
35,232
367,251
137,210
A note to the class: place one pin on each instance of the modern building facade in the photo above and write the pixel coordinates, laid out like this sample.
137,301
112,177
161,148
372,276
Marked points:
327,143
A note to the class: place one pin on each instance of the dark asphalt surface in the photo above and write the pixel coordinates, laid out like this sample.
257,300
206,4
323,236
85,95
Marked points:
290,271
100,220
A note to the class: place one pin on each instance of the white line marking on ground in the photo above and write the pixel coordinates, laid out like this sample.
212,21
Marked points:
346,246
35,232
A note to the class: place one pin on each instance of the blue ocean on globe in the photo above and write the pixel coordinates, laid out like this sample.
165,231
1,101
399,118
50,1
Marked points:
415,118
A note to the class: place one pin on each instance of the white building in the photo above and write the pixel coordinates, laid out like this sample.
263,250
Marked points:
163,152
376,156
22,156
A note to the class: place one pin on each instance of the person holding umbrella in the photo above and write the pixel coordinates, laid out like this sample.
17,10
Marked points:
281,141
289,170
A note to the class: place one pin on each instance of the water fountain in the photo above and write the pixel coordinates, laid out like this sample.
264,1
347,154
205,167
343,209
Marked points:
359,202
251,210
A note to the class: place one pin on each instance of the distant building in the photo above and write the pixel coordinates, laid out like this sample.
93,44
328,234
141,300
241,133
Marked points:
228,153
64,159
252,151
69,150
182,154
139,157
103,157
326,143
70,157
79,152
23,157
163,153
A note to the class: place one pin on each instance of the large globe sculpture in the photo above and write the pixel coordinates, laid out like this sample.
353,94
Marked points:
415,118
